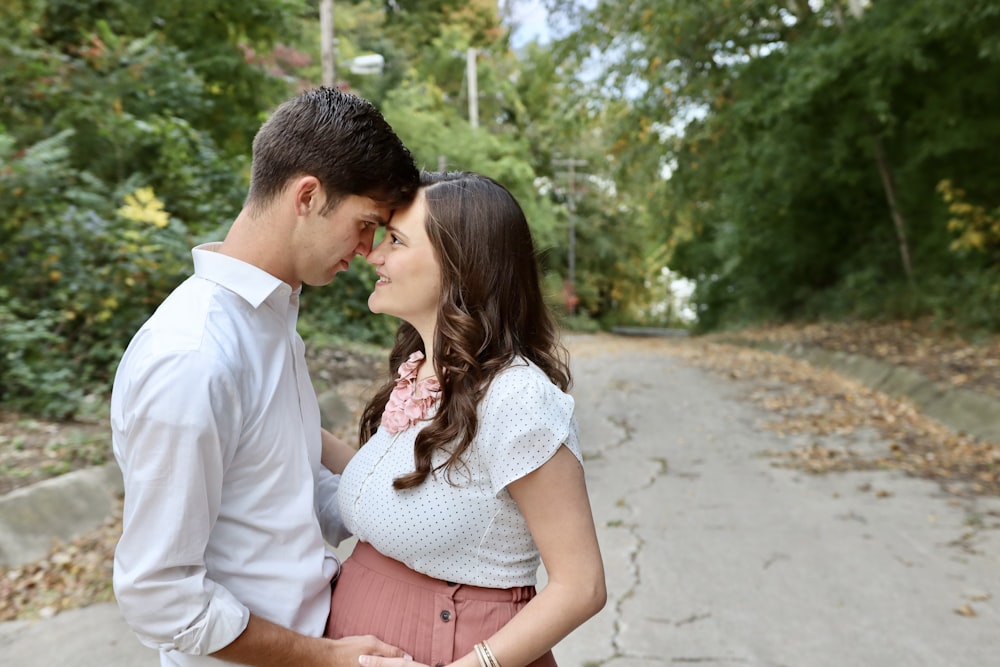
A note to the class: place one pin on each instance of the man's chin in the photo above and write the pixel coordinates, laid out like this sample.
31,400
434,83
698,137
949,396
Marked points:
321,282
339,267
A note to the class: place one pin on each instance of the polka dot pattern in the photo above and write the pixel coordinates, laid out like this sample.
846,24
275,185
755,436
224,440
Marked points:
469,531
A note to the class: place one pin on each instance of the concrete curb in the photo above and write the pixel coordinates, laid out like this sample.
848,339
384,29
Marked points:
959,409
61,508
33,518
650,331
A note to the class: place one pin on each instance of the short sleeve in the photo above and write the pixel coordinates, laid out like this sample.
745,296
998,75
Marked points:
522,423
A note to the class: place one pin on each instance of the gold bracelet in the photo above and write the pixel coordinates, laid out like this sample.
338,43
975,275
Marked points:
492,659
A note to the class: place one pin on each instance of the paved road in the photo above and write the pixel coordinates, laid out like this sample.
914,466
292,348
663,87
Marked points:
714,556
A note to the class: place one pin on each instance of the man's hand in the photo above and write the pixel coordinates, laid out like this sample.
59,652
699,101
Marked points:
347,652
265,644
377,661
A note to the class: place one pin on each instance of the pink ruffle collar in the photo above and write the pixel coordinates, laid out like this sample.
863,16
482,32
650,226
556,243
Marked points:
405,408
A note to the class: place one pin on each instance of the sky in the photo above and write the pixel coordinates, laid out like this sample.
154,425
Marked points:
532,21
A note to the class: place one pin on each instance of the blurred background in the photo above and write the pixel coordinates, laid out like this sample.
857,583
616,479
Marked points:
705,165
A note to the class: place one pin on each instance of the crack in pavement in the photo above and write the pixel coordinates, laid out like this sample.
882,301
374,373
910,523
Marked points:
693,618
618,651
707,659
627,431
636,580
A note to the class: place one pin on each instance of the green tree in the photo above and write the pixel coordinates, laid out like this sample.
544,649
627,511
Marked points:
804,144
123,141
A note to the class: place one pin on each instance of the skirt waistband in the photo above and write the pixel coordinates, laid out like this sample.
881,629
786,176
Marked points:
369,557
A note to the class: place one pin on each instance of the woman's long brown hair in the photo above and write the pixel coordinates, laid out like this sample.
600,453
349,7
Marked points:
490,311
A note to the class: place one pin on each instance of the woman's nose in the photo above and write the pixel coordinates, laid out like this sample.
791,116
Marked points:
375,256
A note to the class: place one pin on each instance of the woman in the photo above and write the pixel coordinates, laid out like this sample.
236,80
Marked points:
472,467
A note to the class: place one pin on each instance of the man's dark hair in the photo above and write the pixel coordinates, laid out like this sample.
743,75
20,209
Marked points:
339,138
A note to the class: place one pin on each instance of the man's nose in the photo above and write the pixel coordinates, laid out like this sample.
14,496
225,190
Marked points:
365,244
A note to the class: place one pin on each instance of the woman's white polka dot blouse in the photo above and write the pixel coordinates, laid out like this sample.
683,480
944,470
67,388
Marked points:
470,531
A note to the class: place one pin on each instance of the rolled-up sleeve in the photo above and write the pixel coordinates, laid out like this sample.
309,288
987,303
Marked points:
175,428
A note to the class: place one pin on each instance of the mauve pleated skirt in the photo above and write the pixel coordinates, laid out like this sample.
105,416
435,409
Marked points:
434,621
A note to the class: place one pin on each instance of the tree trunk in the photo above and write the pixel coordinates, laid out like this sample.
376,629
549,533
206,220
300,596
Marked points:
889,185
884,168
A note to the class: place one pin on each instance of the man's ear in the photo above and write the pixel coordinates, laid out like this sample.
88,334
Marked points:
307,194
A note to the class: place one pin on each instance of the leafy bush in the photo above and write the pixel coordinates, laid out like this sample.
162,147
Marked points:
38,375
84,274
106,181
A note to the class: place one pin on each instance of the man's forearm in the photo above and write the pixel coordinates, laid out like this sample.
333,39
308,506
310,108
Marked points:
263,644
266,644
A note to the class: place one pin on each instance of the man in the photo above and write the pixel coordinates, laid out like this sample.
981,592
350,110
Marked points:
214,420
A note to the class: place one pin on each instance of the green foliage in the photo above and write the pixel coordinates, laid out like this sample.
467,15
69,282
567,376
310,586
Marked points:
109,172
86,276
439,136
741,144
340,310
38,374
531,113
780,123
579,323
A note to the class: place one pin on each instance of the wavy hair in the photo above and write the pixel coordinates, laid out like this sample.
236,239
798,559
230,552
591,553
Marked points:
490,311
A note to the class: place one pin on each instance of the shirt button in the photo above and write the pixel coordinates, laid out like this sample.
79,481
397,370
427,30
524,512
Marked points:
445,615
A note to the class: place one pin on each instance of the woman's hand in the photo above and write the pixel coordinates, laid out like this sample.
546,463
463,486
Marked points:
376,661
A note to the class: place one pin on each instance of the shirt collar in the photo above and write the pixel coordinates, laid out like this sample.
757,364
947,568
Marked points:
251,283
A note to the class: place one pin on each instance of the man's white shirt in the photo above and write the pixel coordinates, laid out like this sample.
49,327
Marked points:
216,428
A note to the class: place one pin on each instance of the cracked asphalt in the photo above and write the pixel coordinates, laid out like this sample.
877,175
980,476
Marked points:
714,555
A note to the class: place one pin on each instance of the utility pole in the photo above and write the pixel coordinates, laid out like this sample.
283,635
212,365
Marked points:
328,43
472,74
570,164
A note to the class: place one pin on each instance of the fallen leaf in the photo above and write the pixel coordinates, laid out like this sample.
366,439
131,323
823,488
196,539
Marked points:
966,610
